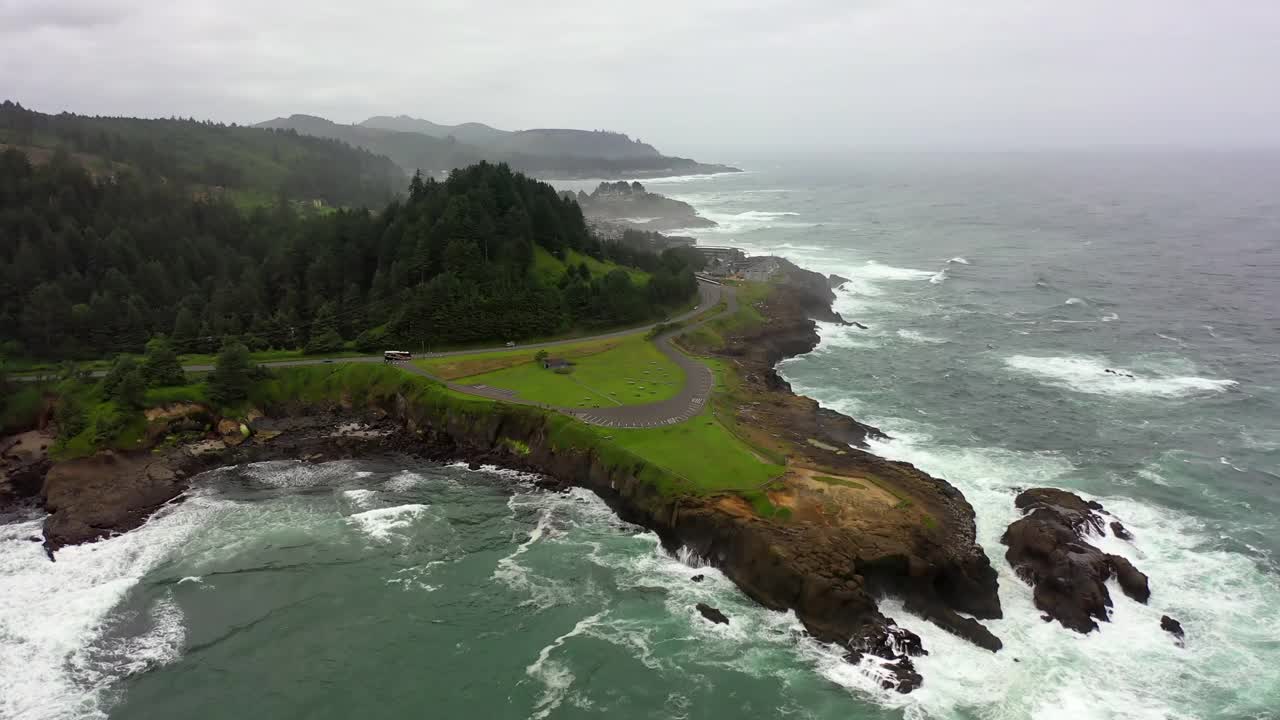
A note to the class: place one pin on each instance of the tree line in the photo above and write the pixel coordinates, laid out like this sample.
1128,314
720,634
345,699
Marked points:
95,265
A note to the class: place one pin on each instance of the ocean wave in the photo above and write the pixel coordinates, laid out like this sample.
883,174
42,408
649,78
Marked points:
363,497
555,676
1095,376
919,337
1109,317
54,660
382,524
1074,301
746,221
958,261
939,277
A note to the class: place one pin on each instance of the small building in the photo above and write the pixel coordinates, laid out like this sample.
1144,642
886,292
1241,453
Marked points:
725,254
553,363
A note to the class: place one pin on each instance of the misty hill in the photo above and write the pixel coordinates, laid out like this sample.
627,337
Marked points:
416,144
548,142
412,151
254,165
471,133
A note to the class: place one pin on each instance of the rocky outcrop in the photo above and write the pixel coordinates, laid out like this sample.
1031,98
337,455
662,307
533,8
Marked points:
1174,628
113,492
631,206
898,646
712,614
1120,530
105,494
835,281
1049,551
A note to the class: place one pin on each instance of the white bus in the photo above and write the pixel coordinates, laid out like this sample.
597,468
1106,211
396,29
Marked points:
390,356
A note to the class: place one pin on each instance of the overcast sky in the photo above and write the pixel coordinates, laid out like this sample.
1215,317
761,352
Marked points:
686,75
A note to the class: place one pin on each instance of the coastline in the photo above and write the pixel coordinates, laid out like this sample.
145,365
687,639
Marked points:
831,569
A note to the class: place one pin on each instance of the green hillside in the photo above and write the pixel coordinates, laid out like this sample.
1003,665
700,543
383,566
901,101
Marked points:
247,163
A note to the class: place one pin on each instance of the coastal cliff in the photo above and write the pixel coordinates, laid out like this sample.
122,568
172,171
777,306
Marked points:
850,528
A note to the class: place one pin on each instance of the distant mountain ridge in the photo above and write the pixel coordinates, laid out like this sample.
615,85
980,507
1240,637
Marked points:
538,141
416,144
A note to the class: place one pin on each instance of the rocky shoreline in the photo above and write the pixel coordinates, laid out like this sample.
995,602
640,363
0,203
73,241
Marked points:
904,533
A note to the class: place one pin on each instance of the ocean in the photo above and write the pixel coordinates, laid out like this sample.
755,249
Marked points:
997,291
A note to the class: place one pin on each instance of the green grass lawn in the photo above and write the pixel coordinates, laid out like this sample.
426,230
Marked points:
701,450
619,371
711,335
549,268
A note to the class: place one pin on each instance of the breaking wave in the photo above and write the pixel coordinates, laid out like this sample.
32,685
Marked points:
1093,375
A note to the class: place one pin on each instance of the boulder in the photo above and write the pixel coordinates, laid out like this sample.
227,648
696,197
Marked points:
231,431
698,578
712,614
836,281
1173,627
1048,550
1120,531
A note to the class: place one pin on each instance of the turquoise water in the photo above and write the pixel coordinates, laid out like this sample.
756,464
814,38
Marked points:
997,291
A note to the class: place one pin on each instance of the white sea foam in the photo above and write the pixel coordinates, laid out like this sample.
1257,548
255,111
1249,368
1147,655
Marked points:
939,277
1130,669
1088,374
832,335
958,260
382,524
52,614
1109,317
297,474
361,498
554,675
1074,301
404,481
919,337
733,223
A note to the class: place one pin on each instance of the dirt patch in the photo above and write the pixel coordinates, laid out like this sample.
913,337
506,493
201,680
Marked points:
174,411
27,446
735,505
446,369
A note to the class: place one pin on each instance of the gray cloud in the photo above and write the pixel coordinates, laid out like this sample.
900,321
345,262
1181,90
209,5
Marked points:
689,77
19,16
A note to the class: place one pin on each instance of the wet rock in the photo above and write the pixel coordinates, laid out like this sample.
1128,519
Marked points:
105,494
1048,550
835,281
698,578
858,325
712,614
1173,627
1120,531
897,646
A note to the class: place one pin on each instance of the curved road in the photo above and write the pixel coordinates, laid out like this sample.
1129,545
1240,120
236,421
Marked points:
699,379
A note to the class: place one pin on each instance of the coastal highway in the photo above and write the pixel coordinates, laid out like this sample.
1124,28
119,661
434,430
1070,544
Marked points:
689,402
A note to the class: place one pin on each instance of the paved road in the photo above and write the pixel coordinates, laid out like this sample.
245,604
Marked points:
699,379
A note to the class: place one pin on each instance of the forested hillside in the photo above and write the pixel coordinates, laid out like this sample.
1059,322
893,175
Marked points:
91,266
545,153
250,164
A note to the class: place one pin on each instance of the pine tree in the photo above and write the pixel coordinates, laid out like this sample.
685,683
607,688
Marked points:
233,375
161,366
